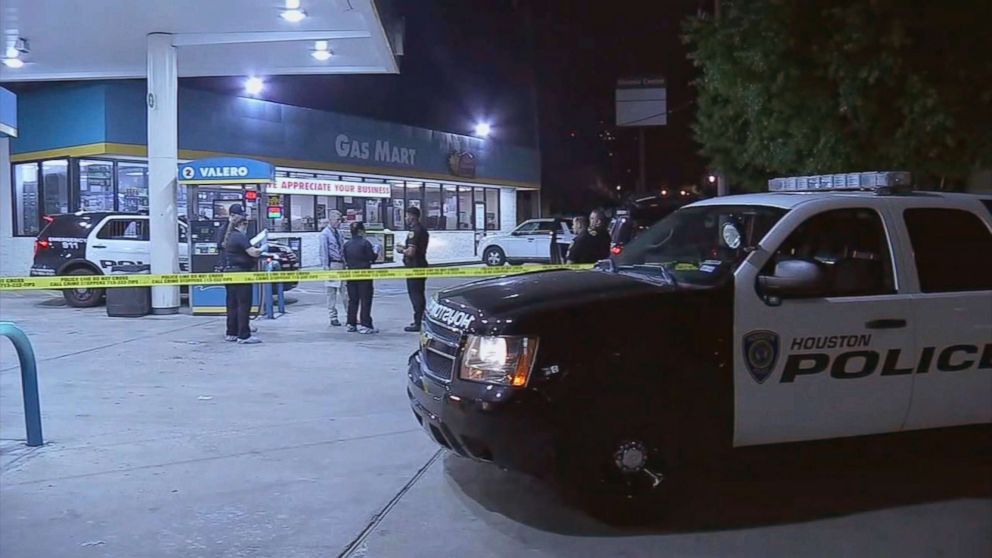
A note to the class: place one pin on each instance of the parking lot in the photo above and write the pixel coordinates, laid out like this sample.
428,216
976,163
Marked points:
163,440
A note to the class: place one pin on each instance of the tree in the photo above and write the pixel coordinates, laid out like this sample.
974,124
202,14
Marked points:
821,86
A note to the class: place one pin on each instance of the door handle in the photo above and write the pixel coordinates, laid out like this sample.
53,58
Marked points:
886,323
99,246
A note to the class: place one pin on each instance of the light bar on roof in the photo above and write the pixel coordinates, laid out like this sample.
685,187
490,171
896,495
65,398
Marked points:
873,181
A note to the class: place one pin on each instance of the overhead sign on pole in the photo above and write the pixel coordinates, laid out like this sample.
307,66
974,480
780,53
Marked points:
641,102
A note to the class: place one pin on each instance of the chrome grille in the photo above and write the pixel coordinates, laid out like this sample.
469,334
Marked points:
439,348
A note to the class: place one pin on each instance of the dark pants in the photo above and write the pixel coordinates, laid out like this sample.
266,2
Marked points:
238,310
360,294
415,288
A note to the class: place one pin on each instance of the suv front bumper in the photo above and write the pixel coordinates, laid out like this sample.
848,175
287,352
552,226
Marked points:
511,430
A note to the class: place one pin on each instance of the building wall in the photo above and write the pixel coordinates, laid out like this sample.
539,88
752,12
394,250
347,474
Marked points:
16,254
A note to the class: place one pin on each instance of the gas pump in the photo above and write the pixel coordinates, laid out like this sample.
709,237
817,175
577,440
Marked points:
214,185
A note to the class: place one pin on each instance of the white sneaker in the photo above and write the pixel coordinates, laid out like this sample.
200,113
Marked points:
367,330
230,338
249,341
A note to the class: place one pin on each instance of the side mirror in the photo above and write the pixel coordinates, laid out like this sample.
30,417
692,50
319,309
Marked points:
792,279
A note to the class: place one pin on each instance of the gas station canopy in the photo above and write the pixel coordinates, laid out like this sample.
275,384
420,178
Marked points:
107,39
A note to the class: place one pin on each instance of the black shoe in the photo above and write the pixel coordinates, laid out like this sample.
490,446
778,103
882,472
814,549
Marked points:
335,323
412,328
352,329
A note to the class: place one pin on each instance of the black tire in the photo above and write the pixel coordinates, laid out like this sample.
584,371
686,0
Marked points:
591,476
83,298
494,256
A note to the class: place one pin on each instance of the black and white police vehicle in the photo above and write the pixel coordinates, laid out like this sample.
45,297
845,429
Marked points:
832,307
94,242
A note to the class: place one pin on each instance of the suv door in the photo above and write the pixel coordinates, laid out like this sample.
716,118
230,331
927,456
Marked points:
119,241
517,245
952,256
832,364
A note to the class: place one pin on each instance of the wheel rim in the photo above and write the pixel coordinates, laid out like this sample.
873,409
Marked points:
494,258
633,469
83,294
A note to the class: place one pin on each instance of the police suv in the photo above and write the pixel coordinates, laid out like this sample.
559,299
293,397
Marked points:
93,242
831,307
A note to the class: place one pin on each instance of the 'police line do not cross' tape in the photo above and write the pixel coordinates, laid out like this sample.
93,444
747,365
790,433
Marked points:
111,281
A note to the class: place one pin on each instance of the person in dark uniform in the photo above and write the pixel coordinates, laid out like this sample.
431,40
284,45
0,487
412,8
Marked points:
600,249
414,252
580,252
239,255
555,249
221,236
359,254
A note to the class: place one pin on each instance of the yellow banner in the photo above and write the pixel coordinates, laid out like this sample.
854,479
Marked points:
111,281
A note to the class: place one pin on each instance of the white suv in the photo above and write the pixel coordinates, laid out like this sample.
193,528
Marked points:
529,242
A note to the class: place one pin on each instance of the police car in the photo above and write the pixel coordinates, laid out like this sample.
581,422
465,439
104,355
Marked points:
92,243
831,307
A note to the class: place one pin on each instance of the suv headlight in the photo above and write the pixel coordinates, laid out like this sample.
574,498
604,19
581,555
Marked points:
502,360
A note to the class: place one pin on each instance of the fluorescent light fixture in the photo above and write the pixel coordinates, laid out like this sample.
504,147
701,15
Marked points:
321,51
292,4
254,85
13,63
293,16
482,129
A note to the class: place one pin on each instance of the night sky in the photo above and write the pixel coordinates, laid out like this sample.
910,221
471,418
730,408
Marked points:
504,61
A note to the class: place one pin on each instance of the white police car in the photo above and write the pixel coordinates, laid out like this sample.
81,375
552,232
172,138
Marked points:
834,306
92,243
530,242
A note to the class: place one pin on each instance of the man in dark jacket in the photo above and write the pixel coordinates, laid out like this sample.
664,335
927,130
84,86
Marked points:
580,251
600,234
359,254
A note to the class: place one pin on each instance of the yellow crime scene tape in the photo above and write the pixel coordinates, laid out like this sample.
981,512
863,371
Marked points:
111,281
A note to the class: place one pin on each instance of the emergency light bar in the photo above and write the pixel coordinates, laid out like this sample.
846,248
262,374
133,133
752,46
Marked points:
880,182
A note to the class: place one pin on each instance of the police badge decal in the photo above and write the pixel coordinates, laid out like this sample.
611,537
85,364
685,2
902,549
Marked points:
760,354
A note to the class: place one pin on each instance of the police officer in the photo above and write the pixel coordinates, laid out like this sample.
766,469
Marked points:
360,254
600,249
414,252
581,250
239,256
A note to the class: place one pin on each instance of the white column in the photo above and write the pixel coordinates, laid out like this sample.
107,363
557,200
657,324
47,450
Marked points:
163,150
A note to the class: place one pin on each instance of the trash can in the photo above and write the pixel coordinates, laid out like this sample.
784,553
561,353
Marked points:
129,302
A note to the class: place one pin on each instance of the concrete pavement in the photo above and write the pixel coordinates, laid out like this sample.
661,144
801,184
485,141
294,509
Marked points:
163,440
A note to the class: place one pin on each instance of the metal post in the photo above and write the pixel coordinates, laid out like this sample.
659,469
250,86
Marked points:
29,381
267,301
163,149
282,299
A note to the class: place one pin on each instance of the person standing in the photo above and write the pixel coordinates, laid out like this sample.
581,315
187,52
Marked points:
580,251
360,254
600,249
239,256
414,252
332,258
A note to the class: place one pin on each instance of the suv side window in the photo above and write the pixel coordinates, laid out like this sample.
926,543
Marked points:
124,229
851,246
545,227
952,248
526,228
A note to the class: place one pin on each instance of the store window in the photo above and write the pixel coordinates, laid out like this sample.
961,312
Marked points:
276,217
132,187
325,204
353,210
492,209
397,207
449,209
431,213
373,212
27,217
96,186
55,175
301,213
464,208
415,196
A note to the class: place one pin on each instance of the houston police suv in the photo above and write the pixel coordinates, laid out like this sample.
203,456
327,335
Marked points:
831,307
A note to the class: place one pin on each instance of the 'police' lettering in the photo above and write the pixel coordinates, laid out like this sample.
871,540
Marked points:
794,366
944,361
892,362
986,361
839,369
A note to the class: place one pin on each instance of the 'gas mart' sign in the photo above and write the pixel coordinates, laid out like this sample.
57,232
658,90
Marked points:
314,187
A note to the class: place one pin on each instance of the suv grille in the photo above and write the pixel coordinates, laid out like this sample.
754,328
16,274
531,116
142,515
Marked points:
439,348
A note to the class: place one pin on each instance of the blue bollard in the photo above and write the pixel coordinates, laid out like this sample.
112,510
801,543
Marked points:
282,299
267,295
29,381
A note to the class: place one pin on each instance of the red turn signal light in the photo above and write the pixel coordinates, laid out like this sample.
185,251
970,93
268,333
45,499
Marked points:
616,250
40,245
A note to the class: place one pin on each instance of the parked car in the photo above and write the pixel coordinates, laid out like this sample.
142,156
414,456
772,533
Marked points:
637,216
91,243
528,243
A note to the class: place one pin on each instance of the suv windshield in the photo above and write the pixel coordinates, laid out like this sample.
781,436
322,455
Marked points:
697,246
